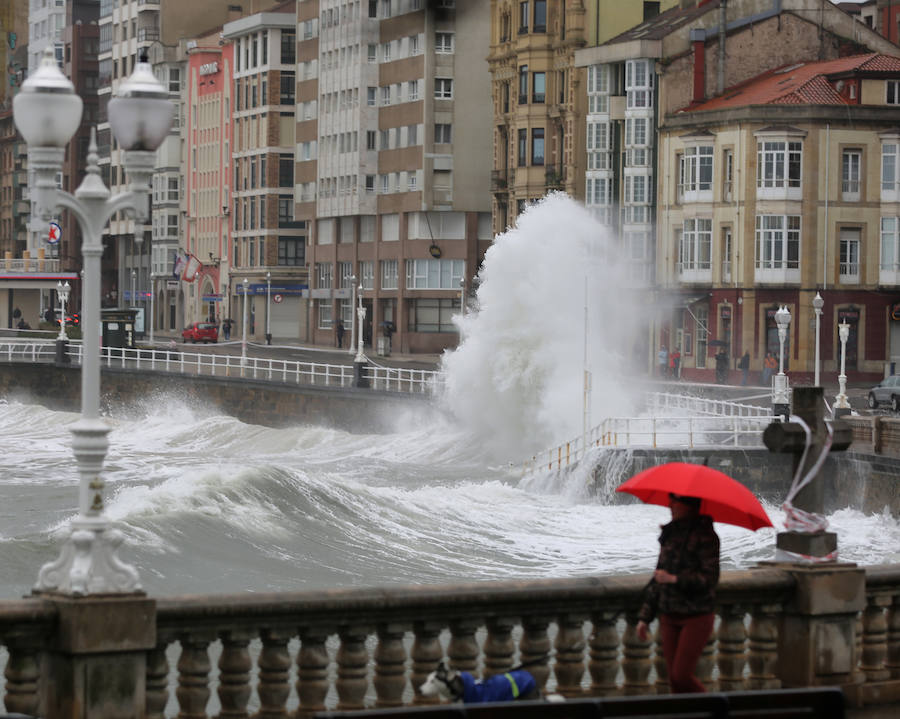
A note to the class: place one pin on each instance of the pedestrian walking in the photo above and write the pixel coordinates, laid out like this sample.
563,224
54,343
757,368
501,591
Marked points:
744,366
662,359
675,363
770,364
340,333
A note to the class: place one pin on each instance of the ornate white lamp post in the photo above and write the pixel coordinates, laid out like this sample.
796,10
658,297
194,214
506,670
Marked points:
133,282
841,404
352,305
47,112
152,295
462,295
246,284
818,304
268,307
361,313
62,291
780,389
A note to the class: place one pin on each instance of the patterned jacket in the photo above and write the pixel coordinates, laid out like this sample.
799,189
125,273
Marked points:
689,549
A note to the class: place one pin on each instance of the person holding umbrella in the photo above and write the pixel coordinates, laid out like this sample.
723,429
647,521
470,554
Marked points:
682,590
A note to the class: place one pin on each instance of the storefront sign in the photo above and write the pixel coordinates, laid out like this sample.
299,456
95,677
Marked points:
209,68
725,312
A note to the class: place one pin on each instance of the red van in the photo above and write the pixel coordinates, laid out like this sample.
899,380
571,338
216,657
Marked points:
200,332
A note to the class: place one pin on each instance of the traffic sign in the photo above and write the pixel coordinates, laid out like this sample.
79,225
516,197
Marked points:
55,233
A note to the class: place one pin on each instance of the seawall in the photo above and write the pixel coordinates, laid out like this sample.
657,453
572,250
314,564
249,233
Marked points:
867,482
265,403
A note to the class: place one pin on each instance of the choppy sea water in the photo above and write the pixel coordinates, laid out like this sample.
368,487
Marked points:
209,504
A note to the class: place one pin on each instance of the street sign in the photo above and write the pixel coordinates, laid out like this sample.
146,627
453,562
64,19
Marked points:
277,299
55,233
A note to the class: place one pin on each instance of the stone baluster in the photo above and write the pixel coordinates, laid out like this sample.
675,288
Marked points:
659,662
193,675
234,674
859,676
499,647
892,661
390,666
875,638
636,663
158,679
312,670
22,673
570,654
763,646
463,649
603,662
707,662
426,653
274,667
732,649
535,646
352,660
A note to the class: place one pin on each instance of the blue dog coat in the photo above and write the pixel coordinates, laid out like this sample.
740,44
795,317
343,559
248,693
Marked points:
499,688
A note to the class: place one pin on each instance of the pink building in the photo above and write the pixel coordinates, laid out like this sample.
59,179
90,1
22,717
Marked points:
207,164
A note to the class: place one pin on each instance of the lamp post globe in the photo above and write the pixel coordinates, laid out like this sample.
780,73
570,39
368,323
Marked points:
47,112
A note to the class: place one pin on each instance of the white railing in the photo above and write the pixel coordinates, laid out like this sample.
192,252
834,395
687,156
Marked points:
32,264
666,402
388,379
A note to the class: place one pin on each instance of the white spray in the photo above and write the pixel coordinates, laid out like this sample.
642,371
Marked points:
517,378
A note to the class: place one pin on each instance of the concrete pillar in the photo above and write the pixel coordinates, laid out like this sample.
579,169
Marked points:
96,665
817,636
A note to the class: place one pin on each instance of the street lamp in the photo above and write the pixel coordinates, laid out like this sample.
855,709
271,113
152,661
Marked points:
359,362
841,405
133,281
352,305
62,291
780,390
152,295
462,294
246,284
818,304
268,301
47,112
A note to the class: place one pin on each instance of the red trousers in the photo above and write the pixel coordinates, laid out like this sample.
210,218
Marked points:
683,638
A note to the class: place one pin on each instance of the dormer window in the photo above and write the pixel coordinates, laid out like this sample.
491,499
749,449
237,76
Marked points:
892,88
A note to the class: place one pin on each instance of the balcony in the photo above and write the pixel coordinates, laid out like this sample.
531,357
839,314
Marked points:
148,34
499,180
555,178
29,264
693,274
142,5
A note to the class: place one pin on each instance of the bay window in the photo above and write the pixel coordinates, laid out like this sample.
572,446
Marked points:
695,252
778,247
778,168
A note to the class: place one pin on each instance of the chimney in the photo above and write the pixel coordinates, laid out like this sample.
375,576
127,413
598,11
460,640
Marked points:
699,43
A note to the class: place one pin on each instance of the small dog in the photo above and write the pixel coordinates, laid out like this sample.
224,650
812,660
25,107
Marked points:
455,686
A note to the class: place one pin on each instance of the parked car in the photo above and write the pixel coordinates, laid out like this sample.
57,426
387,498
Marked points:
200,332
886,392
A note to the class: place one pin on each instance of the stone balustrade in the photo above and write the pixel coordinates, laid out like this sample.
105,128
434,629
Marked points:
291,654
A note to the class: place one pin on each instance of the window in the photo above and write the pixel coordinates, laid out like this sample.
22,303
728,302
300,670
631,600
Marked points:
537,146
413,45
523,148
389,276
726,254
696,245
443,88
849,255
370,184
288,86
292,251
324,275
778,167
695,177
890,171
523,84
367,274
890,244
433,274
443,43
371,96
777,242
442,134
851,161
288,47
324,314
386,52
893,92
285,210
412,90
385,96
540,16
412,135
638,84
727,174
636,131
523,18
598,88
372,53
345,272
285,171
174,79
432,315
538,87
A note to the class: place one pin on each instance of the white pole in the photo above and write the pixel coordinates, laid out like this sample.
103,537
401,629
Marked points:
152,293
817,307
586,398
244,327
63,291
352,306
361,312
268,306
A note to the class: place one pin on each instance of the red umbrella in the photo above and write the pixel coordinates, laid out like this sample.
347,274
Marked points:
723,498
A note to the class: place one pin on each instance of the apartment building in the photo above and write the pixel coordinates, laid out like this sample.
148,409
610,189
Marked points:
392,164
268,244
785,187
159,28
641,78
46,20
207,232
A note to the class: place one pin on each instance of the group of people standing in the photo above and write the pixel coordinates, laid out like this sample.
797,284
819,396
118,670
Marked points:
669,362
669,365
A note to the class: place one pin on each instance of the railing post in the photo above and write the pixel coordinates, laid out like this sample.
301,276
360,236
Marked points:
636,663
426,653
352,659
158,679
274,666
22,674
874,639
570,646
499,647
312,671
96,666
603,663
390,666
731,657
193,675
763,647
893,638
463,650
534,646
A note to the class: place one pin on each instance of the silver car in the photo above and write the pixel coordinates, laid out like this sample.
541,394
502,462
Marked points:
886,392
